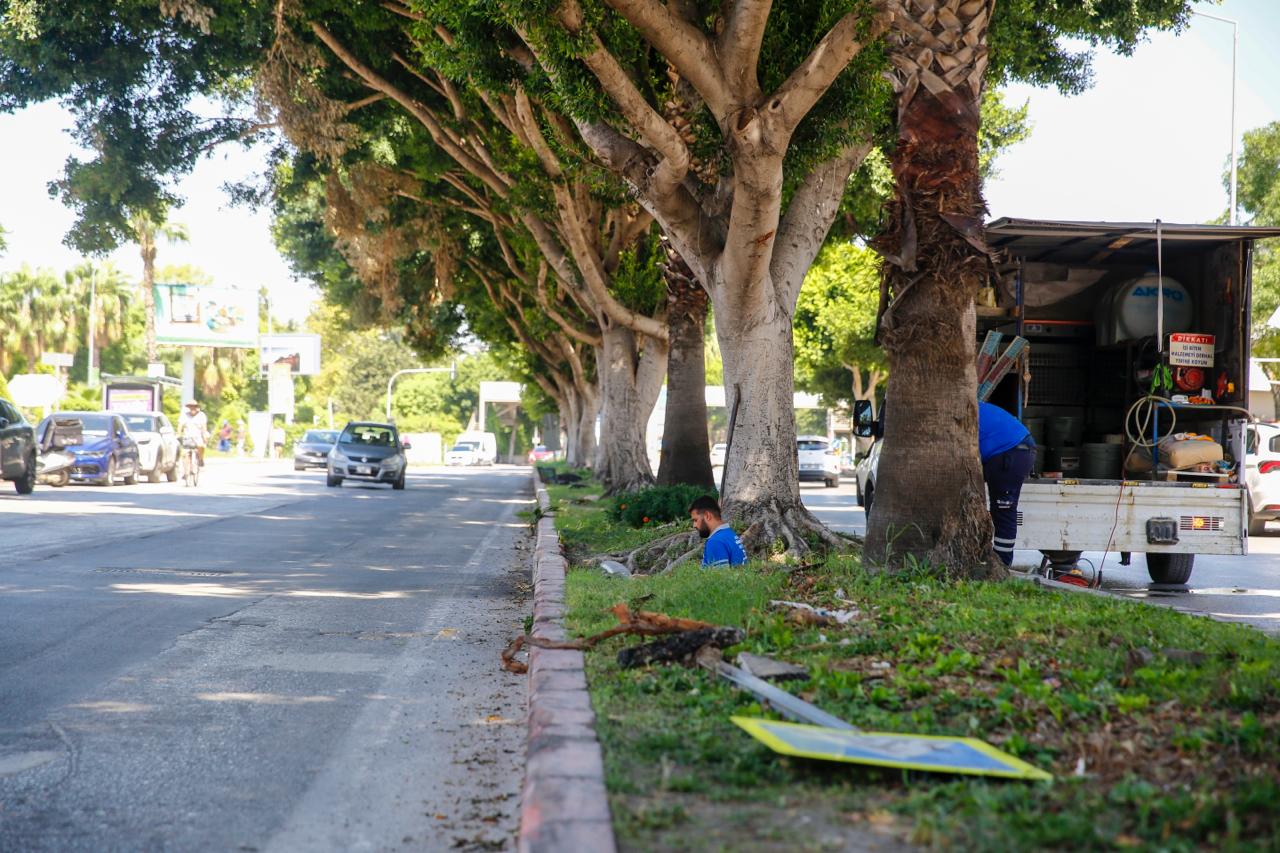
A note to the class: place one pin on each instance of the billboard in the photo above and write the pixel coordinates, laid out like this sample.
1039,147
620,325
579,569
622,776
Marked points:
200,315
300,352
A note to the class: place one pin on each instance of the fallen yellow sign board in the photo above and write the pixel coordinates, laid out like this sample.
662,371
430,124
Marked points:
939,754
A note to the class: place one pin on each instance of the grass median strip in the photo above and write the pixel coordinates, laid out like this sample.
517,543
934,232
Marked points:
1161,729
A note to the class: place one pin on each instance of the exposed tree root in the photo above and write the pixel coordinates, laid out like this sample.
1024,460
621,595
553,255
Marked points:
775,527
662,555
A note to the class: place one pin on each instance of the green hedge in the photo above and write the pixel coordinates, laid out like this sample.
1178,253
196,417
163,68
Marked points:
658,505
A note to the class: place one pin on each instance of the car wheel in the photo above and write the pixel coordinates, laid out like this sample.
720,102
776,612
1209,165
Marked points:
109,479
156,473
868,498
26,484
332,481
398,485
831,482
1170,568
62,480
1257,526
172,474
131,479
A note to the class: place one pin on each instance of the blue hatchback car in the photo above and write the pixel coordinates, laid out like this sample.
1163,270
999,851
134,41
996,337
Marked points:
107,453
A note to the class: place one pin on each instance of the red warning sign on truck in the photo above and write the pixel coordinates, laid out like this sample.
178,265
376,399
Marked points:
1187,349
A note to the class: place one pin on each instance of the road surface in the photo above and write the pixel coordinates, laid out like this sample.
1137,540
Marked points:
261,663
1233,589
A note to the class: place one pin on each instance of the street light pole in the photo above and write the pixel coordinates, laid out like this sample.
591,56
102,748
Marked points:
452,370
1233,217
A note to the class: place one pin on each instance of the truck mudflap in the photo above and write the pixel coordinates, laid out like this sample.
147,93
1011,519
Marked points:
1147,517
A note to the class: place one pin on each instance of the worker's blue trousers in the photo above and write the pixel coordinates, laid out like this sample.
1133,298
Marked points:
1005,473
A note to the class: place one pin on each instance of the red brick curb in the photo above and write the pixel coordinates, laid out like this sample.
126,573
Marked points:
563,806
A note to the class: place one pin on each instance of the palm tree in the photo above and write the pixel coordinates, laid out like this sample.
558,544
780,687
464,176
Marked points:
146,229
935,508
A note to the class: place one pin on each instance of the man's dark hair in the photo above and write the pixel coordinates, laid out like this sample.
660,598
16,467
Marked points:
707,503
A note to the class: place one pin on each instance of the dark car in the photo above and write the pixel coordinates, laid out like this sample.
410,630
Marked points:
17,449
370,452
313,450
108,451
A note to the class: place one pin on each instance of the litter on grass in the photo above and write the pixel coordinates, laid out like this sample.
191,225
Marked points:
798,611
938,754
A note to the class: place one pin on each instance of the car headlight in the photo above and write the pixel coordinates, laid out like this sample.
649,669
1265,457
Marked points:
338,459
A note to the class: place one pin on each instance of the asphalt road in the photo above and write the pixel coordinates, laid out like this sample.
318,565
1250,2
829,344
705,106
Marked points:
1233,589
261,663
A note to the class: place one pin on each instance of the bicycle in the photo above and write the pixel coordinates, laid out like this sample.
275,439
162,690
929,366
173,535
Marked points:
190,461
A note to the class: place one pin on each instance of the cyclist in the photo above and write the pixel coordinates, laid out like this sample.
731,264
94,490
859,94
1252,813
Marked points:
193,424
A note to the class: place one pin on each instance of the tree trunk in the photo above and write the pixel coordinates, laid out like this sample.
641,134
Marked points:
762,478
629,389
148,247
930,498
686,448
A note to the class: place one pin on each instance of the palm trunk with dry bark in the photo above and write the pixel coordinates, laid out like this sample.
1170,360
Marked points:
930,497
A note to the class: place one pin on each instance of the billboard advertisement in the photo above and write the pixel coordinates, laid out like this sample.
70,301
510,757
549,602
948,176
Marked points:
300,352
127,397
200,315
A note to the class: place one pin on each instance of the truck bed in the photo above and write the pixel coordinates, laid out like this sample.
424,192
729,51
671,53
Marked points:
1078,515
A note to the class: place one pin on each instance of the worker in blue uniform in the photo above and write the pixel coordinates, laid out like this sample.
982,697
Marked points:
723,547
1008,452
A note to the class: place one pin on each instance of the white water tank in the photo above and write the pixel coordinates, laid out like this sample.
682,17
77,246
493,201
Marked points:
1128,311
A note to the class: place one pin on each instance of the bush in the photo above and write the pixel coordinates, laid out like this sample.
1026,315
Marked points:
658,505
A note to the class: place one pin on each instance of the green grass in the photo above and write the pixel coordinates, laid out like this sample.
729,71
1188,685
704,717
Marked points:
1176,718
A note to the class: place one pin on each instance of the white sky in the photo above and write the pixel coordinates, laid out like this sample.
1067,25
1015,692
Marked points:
1150,139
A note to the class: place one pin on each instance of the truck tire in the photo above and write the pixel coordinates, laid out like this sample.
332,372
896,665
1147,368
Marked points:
1170,568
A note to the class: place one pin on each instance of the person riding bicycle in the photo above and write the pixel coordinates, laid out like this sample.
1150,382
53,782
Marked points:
193,424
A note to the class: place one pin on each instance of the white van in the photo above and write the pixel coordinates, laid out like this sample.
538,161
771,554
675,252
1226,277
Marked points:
473,448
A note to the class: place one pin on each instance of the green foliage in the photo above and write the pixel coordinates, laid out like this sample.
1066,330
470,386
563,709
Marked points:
1173,715
1002,127
835,319
1258,195
656,505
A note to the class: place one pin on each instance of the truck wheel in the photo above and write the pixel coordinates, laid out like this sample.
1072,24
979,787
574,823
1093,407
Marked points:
26,484
1170,568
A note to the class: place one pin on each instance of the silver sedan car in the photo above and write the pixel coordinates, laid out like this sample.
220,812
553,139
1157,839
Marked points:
368,452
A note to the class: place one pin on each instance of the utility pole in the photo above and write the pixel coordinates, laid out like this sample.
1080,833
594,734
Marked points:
1233,216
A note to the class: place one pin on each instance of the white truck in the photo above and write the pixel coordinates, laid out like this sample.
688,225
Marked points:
1108,309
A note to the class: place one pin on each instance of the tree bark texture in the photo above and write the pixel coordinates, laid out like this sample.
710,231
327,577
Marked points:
930,497
630,379
686,447
147,245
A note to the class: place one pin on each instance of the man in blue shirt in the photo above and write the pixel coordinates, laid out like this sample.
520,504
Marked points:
1007,452
723,547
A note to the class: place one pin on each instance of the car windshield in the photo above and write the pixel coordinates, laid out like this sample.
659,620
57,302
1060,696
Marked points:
373,436
141,423
463,447
320,436
98,425
806,444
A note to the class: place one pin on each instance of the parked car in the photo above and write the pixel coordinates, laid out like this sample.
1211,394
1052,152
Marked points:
157,444
540,454
718,451
1262,475
864,477
818,460
463,453
18,454
108,452
313,450
370,452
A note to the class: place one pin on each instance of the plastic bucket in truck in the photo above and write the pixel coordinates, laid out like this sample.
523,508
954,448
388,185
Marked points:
1101,461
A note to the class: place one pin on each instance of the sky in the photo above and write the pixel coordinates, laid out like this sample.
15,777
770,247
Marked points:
1149,140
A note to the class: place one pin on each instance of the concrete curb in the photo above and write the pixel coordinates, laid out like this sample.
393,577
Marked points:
563,805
